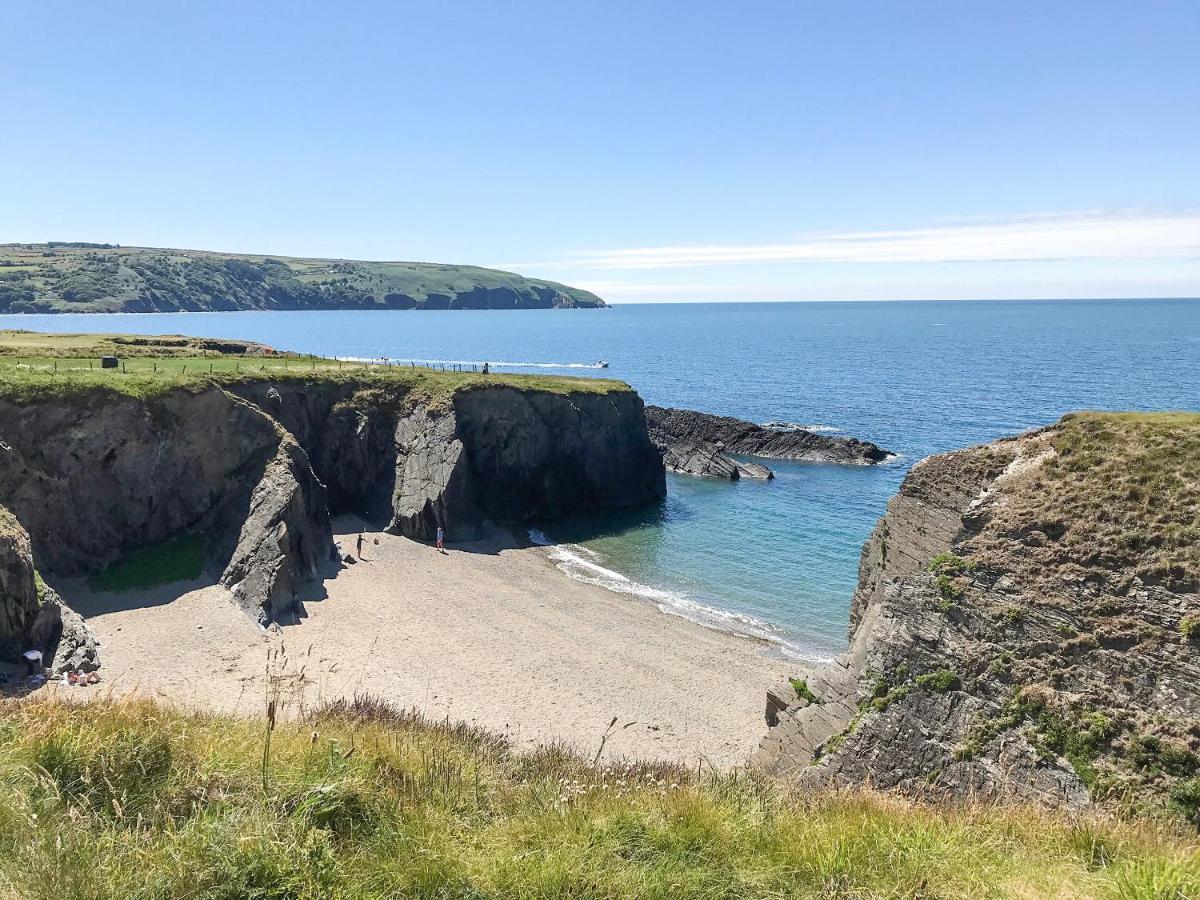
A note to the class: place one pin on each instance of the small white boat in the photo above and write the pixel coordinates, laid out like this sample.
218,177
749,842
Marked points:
602,364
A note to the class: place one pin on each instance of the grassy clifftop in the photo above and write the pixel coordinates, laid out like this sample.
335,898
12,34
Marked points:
132,800
67,277
35,364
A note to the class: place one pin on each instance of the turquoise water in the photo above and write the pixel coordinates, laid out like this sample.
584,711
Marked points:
777,558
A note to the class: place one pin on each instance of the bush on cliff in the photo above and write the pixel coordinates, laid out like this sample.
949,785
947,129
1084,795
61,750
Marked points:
133,800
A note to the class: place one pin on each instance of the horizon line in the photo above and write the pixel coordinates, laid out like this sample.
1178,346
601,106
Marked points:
1189,297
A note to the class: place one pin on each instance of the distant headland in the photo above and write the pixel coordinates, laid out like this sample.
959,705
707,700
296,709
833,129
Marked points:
75,277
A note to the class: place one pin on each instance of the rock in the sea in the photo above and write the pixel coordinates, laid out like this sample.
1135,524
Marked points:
669,427
707,460
753,470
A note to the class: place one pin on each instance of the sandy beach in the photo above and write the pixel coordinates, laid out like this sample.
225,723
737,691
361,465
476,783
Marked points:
487,634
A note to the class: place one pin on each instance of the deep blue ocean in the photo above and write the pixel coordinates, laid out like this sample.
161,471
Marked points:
778,558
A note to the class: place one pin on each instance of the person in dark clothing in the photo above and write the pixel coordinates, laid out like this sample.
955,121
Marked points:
360,556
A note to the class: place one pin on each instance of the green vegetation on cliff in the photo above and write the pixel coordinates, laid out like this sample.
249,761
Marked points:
34,364
71,277
131,800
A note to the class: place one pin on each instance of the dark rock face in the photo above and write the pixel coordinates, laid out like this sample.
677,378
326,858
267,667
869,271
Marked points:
285,539
93,480
32,616
18,591
257,470
529,455
673,427
66,642
688,457
963,678
491,455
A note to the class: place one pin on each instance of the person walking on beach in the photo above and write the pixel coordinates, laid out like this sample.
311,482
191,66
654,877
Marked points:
441,540
360,556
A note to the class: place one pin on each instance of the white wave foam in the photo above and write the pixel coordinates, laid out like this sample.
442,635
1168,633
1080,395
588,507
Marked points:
796,426
389,361
580,564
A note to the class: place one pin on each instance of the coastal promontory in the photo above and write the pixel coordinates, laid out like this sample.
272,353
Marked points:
63,276
1026,625
245,460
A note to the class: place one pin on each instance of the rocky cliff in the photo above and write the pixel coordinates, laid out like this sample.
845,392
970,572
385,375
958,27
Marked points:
256,466
697,443
32,616
1026,624
69,277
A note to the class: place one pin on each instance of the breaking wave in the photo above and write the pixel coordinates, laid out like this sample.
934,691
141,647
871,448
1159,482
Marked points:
583,564
795,426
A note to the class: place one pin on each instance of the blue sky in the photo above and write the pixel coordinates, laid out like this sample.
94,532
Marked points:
652,151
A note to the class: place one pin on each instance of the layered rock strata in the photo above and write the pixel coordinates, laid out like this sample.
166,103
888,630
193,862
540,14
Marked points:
1026,624
257,468
696,443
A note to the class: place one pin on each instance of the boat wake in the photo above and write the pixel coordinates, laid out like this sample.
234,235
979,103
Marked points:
498,364
583,564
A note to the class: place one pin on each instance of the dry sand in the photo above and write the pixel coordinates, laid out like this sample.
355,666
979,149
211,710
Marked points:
485,634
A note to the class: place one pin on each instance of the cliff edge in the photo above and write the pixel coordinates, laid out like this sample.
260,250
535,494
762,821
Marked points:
97,466
1026,624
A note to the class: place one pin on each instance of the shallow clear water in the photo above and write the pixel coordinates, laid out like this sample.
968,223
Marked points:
780,557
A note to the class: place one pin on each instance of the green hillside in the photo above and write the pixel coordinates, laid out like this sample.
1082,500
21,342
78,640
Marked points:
73,277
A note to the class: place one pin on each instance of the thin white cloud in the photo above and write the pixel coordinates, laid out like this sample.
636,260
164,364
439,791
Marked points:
1033,238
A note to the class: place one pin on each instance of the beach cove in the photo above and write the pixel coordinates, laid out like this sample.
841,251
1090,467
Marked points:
489,634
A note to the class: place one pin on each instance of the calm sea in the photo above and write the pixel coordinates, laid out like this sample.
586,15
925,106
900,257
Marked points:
777,558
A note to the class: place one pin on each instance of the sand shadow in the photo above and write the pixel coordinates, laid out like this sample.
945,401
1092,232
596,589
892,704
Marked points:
78,595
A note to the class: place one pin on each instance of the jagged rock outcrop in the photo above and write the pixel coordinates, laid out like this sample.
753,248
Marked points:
1026,624
707,460
285,539
256,467
494,454
18,589
685,432
66,642
32,616
95,476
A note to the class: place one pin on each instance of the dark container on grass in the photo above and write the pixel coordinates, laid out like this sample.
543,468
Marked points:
109,362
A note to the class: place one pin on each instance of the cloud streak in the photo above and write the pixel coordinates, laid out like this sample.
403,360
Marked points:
1035,238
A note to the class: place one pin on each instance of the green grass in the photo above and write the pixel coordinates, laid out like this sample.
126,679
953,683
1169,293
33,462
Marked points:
1121,492
179,559
800,686
36,365
132,800
939,682
30,378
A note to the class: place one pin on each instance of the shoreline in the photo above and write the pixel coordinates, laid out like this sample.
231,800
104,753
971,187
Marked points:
488,633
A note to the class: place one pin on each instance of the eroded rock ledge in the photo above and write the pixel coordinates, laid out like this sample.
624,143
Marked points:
1026,624
697,443
257,468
